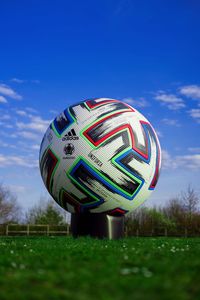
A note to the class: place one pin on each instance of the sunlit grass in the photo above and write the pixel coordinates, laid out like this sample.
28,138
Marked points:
85,268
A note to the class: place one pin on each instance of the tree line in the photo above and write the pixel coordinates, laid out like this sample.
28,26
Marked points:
180,212
45,212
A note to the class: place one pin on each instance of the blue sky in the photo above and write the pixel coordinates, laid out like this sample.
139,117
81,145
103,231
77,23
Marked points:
56,53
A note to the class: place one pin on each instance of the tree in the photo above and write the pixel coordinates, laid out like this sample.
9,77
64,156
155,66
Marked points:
45,213
190,202
148,219
10,211
174,211
159,219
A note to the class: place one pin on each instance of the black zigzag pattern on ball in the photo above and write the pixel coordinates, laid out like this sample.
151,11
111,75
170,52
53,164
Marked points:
48,163
125,139
127,185
99,131
83,201
114,107
82,174
85,176
83,179
126,144
72,111
94,103
69,198
61,122
126,160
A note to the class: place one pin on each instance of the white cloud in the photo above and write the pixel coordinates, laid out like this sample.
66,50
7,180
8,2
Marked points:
170,100
194,149
35,147
159,133
8,125
190,91
171,122
28,135
141,102
180,161
3,133
36,124
32,110
189,161
21,113
29,147
195,114
3,99
9,92
17,188
167,161
25,134
5,117
17,80
6,145
30,130
12,160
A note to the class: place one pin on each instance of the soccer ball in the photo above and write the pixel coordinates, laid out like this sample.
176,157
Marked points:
100,156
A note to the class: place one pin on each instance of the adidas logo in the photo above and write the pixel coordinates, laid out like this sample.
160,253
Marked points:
71,135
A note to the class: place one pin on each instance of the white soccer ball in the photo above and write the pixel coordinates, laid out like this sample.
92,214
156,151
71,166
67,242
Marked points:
100,155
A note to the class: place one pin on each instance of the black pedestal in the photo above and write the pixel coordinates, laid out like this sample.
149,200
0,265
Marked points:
97,225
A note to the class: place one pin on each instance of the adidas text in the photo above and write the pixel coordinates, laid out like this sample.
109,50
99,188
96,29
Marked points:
69,138
71,135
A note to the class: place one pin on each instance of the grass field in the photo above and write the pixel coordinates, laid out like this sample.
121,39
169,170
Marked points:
85,268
